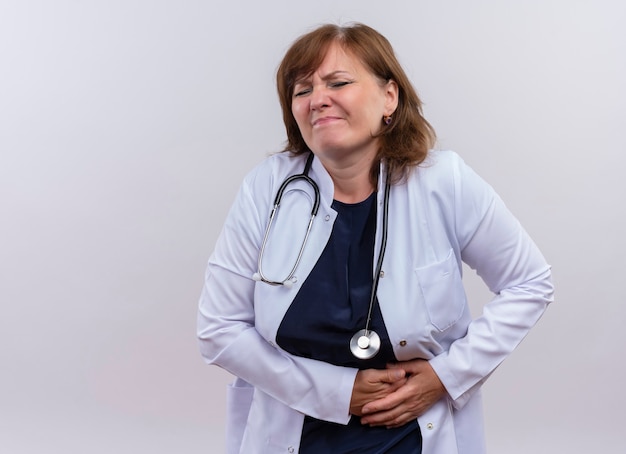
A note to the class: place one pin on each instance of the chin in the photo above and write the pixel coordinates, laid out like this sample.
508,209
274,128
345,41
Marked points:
328,149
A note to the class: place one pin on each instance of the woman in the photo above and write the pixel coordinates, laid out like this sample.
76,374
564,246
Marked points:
367,345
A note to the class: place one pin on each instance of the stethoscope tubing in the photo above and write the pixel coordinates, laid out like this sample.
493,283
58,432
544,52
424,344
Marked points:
381,254
260,276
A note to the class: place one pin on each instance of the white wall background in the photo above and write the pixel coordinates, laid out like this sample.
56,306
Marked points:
127,125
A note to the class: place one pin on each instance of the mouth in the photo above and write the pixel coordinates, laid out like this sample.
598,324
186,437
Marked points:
325,120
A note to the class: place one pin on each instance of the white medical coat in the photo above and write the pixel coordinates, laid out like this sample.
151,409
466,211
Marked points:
441,216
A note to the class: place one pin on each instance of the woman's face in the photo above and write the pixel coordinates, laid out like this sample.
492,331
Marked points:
339,108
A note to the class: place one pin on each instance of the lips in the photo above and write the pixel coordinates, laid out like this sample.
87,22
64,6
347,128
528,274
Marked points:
325,120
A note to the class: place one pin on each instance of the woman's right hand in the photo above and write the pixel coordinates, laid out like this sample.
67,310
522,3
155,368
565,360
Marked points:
373,384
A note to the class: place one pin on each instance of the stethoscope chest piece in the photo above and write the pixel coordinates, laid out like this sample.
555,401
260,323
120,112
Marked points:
365,344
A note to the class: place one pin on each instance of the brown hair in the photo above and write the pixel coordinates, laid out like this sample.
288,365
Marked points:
406,141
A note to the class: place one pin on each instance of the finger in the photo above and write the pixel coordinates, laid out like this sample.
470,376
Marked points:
393,418
392,375
379,419
406,418
411,367
386,403
396,416
384,382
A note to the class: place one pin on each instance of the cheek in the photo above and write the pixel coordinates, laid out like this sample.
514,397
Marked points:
299,112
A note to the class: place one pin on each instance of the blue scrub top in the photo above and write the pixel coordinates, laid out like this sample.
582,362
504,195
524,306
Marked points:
329,308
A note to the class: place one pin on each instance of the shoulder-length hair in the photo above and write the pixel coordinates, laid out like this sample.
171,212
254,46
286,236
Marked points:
406,140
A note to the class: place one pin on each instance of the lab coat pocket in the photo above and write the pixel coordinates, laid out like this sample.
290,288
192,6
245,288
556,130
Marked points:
442,290
238,401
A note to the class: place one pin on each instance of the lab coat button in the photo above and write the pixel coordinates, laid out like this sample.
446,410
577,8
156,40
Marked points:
290,449
382,273
403,343
430,426
327,218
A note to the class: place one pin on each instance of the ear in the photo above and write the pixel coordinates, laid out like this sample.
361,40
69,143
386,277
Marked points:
391,97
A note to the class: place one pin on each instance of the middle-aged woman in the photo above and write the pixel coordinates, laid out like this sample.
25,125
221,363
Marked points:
368,344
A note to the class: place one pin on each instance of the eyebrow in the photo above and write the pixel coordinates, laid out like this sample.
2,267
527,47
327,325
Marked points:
325,77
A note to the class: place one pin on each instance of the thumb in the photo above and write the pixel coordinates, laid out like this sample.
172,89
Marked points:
393,375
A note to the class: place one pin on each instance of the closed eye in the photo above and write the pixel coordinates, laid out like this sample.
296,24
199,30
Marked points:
302,92
340,84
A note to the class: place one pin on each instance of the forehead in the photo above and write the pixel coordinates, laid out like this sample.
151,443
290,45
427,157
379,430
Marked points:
336,59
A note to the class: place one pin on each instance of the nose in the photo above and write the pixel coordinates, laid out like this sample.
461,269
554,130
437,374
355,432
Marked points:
319,98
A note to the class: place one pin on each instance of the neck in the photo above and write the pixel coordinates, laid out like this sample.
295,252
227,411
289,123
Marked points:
351,179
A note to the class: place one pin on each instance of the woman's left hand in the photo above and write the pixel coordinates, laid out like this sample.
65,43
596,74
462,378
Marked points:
421,390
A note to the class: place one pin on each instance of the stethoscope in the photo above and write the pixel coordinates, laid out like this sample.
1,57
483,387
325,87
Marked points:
365,343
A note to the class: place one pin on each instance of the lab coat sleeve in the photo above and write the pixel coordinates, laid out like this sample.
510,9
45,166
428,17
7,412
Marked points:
226,324
492,241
